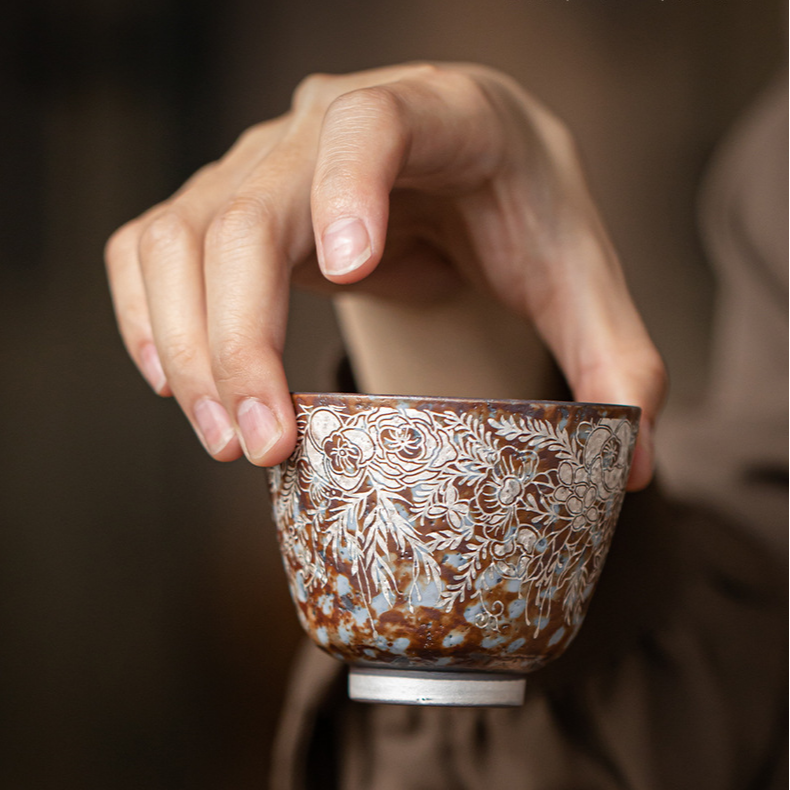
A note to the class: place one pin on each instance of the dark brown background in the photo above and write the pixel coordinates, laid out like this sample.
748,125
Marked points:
144,623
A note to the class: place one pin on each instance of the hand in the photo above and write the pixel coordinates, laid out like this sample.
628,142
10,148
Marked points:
455,167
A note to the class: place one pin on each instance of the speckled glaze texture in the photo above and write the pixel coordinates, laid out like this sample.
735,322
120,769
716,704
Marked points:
448,533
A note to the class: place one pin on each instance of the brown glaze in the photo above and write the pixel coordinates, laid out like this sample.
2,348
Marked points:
449,533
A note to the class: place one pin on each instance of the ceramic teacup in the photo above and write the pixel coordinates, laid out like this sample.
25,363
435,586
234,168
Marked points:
445,547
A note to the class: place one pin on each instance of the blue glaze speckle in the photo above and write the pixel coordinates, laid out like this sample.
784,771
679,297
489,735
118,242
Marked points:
343,585
556,636
452,639
427,595
380,604
301,593
361,616
400,646
471,613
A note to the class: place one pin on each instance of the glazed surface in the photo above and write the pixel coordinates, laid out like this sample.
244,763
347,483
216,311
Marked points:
449,534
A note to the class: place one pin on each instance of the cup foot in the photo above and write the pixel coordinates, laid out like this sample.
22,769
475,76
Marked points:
460,689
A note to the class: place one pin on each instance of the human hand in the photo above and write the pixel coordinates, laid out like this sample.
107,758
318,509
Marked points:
460,171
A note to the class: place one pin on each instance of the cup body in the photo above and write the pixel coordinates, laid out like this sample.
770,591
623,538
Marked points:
448,535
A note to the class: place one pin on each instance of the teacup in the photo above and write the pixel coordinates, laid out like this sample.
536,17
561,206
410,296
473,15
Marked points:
446,547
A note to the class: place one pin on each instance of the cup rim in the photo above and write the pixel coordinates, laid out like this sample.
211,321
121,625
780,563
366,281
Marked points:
513,403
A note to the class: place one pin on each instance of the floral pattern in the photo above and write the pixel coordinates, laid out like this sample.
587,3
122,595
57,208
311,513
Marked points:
497,511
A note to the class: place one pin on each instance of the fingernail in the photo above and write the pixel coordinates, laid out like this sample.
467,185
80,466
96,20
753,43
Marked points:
152,367
213,424
346,246
259,428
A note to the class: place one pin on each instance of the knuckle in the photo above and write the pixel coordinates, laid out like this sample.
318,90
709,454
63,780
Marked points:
166,231
234,223
179,356
427,70
443,76
234,358
135,320
656,375
251,137
210,168
562,136
248,137
480,97
121,244
200,176
372,102
648,376
459,82
311,91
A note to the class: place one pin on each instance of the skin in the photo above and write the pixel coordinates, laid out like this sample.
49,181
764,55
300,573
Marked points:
403,182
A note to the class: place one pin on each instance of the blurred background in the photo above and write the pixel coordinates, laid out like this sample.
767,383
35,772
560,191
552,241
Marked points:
145,628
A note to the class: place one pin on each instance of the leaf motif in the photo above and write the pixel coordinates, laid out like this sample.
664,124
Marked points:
384,587
446,540
508,428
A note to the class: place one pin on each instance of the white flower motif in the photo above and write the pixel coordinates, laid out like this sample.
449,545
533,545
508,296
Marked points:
577,494
410,446
606,454
504,489
448,504
338,453
527,538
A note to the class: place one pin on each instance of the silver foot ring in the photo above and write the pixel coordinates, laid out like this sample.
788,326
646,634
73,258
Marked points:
462,689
